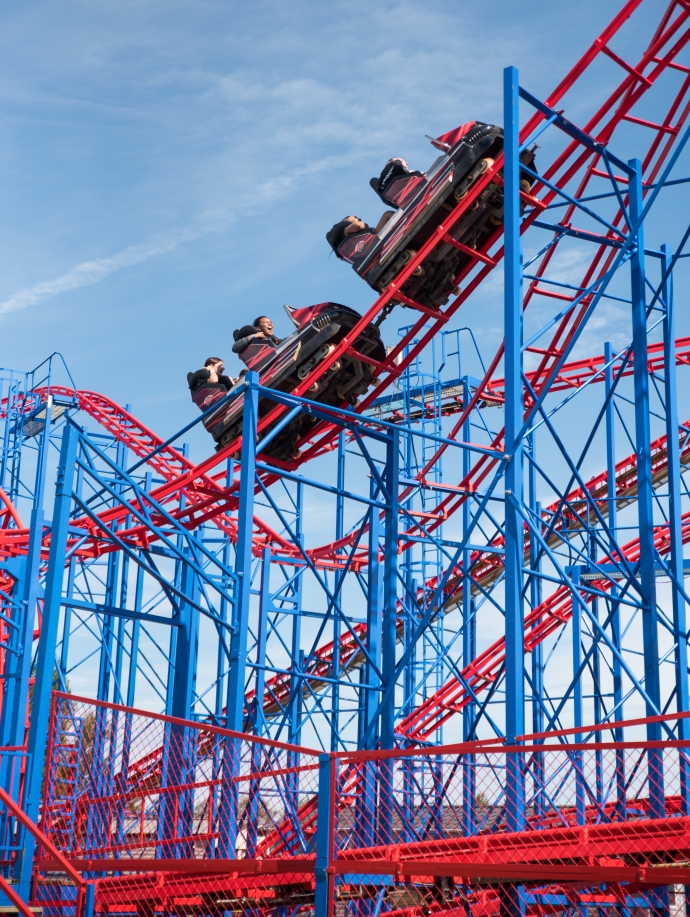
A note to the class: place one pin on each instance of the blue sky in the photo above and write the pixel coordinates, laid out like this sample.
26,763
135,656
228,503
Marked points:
169,169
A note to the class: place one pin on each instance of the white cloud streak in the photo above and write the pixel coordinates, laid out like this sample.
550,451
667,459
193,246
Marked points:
84,275
93,271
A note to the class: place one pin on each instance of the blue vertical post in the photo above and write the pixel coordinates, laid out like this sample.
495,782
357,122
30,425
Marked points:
369,734
339,532
389,635
390,591
576,625
514,540
295,701
186,647
176,817
238,643
612,506
121,631
107,667
47,645
67,612
323,880
597,694
469,641
20,673
368,731
674,521
262,631
252,807
409,687
243,556
645,510
535,594
296,679
224,610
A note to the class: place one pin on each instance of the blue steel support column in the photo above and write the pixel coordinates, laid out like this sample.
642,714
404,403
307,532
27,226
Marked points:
105,666
19,676
243,556
389,636
224,610
296,681
238,644
262,631
514,542
323,881
339,532
674,520
295,702
535,596
512,902
67,612
645,510
368,733
615,609
176,807
106,662
186,647
576,624
252,806
469,642
390,591
47,645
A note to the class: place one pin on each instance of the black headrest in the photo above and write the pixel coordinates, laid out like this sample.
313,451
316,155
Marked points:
243,332
336,235
375,182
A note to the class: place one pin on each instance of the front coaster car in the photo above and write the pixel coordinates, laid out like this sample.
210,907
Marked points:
319,329
423,201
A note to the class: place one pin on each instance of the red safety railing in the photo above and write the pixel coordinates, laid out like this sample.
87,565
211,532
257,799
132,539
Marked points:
160,812
529,828
163,815
58,888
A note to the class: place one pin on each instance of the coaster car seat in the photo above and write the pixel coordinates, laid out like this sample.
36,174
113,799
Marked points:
319,329
424,200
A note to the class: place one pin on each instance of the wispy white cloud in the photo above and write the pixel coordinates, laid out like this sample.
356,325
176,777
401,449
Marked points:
85,274
90,272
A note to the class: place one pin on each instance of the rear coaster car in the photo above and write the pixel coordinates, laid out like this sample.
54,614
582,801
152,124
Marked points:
423,201
319,329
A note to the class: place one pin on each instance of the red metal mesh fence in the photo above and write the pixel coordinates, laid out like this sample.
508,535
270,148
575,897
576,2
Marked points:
511,830
165,814
166,817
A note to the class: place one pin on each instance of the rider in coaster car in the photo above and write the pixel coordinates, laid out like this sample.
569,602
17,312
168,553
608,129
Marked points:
352,225
211,376
393,169
261,330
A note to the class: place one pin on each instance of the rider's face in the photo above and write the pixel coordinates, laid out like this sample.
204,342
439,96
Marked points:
266,325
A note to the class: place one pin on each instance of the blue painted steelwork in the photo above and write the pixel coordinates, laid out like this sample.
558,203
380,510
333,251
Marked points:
447,565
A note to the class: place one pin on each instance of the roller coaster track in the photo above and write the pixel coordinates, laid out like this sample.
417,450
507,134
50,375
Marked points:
560,519
209,496
213,497
548,617
577,163
170,464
